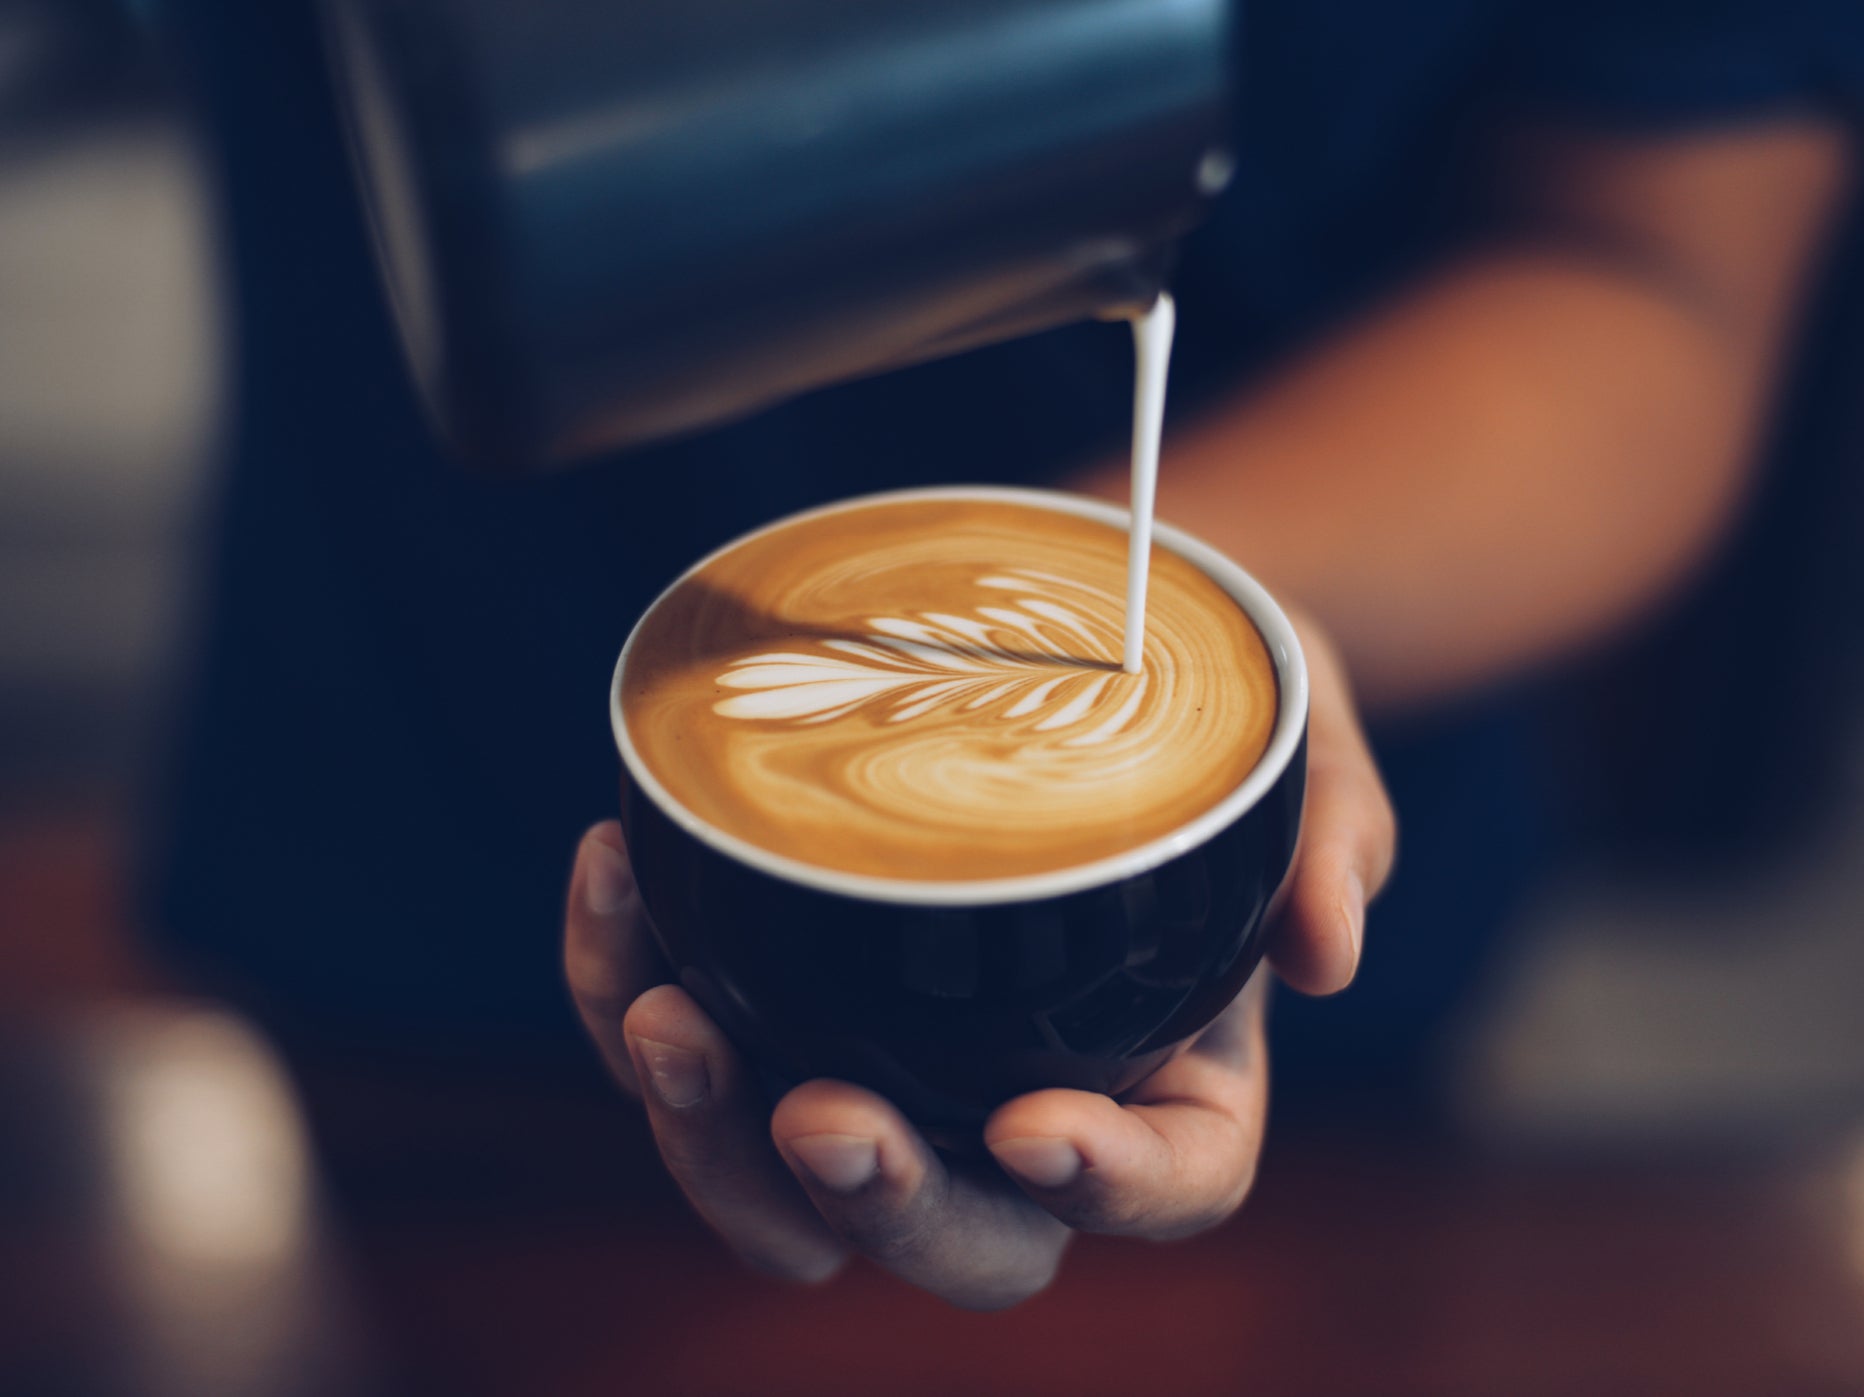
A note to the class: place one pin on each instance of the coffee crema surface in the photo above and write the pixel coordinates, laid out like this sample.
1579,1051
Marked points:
931,690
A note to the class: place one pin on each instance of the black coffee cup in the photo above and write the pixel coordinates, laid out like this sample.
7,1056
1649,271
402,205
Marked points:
951,997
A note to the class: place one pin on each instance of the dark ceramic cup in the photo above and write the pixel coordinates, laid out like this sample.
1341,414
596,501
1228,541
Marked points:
951,997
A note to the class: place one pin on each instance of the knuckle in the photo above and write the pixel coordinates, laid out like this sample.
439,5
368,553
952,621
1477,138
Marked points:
1111,1213
697,1163
896,1229
1198,1201
891,1236
593,965
598,987
1159,1221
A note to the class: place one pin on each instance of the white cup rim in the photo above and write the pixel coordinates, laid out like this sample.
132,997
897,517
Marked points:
1284,741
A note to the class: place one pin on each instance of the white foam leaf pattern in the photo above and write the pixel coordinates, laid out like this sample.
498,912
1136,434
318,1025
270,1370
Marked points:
1044,657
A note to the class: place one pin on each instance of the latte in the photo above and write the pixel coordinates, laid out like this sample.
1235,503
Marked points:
932,690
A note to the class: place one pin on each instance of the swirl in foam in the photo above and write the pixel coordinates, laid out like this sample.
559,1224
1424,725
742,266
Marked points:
932,689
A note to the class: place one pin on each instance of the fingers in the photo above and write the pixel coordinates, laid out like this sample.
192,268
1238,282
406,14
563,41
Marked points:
709,1118
956,1232
838,1167
608,955
1348,837
1177,1158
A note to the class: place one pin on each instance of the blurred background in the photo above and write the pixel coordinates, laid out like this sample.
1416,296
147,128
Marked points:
1651,1177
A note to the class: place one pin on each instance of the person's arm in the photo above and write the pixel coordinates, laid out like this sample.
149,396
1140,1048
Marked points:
1519,454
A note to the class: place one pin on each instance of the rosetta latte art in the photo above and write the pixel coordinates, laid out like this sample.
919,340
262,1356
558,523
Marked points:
1002,661
934,690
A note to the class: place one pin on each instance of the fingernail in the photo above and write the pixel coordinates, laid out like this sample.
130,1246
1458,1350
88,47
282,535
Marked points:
1046,1163
840,1163
607,884
678,1077
1353,909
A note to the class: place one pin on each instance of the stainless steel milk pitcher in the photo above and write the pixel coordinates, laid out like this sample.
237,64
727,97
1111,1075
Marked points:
606,221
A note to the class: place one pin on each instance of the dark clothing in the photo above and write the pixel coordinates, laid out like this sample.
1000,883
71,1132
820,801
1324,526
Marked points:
397,730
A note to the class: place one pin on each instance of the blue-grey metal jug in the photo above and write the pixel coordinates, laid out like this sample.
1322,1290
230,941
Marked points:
606,221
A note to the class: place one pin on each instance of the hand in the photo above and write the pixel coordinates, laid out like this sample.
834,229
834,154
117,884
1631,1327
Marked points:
836,1169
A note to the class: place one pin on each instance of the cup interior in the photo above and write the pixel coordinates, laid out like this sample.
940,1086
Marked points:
1284,740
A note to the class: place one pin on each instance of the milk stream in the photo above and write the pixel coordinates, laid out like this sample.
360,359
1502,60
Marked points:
1152,333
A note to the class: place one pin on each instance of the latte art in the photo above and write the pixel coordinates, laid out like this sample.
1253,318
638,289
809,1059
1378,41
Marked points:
933,689
909,668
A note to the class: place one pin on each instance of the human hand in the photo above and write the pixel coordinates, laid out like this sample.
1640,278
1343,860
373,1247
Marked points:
836,1169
